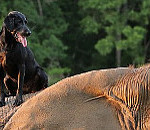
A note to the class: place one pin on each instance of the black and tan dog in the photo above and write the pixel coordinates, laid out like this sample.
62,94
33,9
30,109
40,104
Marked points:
18,71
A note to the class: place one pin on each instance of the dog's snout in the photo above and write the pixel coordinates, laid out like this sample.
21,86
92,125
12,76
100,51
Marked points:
24,31
27,32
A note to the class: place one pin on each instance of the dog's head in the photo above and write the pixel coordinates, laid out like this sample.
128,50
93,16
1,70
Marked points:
16,24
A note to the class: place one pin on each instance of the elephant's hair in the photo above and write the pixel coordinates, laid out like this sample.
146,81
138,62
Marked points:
131,92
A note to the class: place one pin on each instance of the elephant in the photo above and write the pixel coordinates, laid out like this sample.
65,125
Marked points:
107,99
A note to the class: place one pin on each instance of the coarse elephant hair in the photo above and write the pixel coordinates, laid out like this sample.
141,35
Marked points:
132,92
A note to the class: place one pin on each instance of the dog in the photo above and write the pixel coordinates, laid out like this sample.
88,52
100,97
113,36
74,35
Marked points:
19,71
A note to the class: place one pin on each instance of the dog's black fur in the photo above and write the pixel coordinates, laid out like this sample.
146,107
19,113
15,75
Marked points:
19,71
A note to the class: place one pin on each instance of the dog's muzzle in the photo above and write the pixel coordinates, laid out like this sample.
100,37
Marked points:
21,35
26,32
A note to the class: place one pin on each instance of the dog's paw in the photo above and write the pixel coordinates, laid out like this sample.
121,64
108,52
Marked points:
18,101
2,104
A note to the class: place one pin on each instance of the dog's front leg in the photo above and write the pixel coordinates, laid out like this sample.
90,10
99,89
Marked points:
2,98
21,75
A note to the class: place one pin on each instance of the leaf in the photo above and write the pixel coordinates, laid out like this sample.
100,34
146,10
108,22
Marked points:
104,46
90,25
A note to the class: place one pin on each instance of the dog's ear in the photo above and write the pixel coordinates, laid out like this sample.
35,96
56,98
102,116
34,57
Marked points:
9,22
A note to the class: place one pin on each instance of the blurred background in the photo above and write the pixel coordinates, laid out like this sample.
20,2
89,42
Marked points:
75,36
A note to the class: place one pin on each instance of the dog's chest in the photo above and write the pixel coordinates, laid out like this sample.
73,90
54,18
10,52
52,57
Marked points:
9,62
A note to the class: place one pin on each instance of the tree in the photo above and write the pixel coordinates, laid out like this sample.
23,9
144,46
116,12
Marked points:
120,21
81,54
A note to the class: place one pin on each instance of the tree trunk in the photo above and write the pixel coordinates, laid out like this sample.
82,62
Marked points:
118,57
40,8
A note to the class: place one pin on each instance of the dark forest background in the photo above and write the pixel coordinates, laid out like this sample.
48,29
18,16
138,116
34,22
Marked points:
74,36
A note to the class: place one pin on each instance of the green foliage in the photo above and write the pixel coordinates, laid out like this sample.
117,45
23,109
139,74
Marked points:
134,36
104,46
100,4
90,25
123,22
